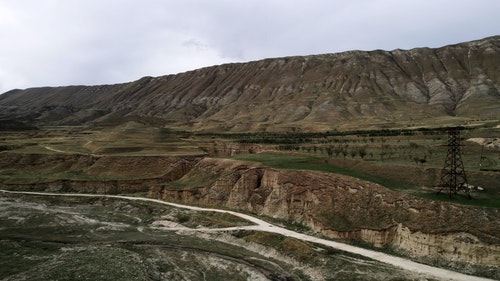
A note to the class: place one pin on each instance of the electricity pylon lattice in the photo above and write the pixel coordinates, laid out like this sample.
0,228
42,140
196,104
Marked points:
453,178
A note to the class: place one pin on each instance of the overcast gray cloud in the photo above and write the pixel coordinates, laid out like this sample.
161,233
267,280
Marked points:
63,42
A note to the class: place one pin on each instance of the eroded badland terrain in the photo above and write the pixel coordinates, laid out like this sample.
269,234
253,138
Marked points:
347,147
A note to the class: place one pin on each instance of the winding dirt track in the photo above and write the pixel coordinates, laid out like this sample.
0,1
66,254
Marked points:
261,225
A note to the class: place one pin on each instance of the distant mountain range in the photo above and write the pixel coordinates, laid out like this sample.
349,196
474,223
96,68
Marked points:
369,89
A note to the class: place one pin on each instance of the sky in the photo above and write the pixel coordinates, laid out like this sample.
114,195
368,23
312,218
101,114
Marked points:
92,42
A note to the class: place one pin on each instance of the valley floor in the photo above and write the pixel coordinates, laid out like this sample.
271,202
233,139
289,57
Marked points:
418,271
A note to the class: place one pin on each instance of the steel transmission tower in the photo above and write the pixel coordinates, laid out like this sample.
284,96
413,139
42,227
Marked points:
453,178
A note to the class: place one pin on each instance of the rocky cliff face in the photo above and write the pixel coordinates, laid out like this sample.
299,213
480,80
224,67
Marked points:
348,208
312,92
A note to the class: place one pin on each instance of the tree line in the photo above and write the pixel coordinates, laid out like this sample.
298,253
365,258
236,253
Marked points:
308,137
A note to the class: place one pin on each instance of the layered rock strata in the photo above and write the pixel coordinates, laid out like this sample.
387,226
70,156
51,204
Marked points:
348,208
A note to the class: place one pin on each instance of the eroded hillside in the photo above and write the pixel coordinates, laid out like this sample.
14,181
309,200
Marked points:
391,88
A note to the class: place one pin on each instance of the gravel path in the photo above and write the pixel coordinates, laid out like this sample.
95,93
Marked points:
260,225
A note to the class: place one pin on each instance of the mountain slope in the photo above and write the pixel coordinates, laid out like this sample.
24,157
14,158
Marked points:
321,92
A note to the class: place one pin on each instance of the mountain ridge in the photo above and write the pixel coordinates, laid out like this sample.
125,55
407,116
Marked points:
310,93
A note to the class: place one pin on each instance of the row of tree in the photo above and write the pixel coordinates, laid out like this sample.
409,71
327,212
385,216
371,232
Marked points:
415,153
304,137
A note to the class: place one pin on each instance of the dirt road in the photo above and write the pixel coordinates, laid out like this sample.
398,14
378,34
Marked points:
261,225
